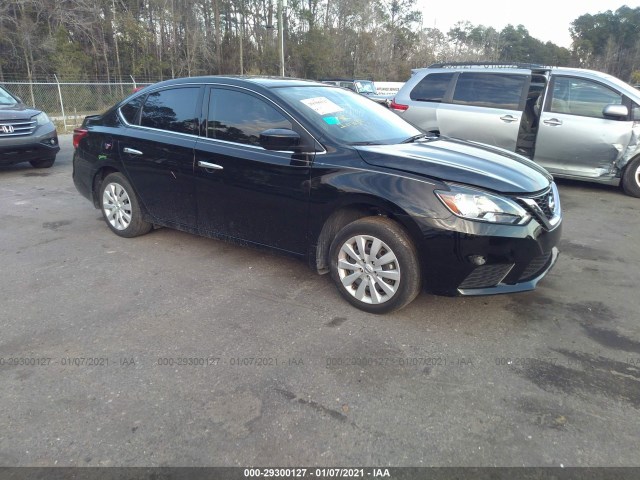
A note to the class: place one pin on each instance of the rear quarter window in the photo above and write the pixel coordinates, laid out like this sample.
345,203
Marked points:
432,88
130,110
493,90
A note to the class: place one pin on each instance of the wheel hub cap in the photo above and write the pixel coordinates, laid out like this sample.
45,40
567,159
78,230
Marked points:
368,269
116,206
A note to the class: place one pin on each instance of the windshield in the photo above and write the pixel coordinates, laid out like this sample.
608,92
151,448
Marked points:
6,98
365,87
347,117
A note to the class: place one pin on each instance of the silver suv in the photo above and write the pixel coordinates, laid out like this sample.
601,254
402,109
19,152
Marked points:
576,123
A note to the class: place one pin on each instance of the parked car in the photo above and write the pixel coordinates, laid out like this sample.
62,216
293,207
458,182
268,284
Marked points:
363,87
322,174
576,123
26,134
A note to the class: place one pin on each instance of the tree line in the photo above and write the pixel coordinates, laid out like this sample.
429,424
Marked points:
109,40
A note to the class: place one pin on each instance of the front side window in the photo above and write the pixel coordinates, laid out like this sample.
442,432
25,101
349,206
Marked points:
240,117
577,96
432,88
635,111
173,110
494,90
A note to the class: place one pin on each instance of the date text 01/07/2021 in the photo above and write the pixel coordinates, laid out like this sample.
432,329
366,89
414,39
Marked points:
316,472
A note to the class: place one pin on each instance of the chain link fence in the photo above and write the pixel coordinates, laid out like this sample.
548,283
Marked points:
68,103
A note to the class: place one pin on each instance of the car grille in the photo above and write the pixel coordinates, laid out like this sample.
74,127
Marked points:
486,276
544,207
543,202
17,128
534,267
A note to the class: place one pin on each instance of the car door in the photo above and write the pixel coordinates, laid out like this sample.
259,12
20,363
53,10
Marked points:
244,191
574,136
485,107
158,154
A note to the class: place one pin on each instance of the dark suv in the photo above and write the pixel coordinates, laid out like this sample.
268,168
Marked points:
26,134
323,174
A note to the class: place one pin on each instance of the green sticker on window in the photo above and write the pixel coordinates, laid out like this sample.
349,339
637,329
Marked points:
332,120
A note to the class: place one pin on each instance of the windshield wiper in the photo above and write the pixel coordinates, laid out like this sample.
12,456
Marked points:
417,137
364,143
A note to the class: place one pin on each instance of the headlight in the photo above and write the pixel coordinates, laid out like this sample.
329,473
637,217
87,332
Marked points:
482,206
41,118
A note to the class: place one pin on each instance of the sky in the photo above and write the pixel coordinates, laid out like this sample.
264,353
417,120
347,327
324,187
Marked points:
546,20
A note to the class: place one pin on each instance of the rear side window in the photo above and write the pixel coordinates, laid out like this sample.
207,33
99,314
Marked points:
494,90
173,110
577,96
241,118
431,88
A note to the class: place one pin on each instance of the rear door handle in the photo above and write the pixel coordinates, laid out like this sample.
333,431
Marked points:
554,122
212,166
132,151
509,118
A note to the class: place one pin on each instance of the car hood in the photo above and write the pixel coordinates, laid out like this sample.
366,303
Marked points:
17,112
461,161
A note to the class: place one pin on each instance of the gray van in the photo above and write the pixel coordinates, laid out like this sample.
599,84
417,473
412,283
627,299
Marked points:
576,123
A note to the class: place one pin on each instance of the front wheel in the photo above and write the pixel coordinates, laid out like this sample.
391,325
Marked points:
631,178
121,208
374,265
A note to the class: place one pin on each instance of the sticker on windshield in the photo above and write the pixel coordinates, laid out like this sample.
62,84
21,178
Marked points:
321,105
332,120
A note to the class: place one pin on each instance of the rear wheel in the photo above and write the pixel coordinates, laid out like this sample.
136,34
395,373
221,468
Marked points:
374,265
121,208
43,163
631,178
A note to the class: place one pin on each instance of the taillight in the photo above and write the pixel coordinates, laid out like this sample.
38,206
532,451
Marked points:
397,106
79,134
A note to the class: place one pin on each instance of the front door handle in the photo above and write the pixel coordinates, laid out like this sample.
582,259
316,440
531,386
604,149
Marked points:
212,166
554,122
132,151
509,118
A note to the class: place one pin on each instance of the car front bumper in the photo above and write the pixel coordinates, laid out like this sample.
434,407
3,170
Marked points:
42,144
528,283
460,257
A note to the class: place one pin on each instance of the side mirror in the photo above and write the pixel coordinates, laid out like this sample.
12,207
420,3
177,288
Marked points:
615,110
280,139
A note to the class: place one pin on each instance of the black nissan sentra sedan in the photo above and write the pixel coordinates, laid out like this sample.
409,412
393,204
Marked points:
326,175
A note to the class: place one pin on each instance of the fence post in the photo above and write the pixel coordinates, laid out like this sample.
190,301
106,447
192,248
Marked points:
64,117
134,82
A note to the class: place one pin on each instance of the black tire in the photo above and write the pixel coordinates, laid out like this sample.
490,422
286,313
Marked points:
631,178
398,271
43,163
124,218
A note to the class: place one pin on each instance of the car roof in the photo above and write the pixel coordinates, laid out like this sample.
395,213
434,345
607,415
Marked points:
264,81
510,68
